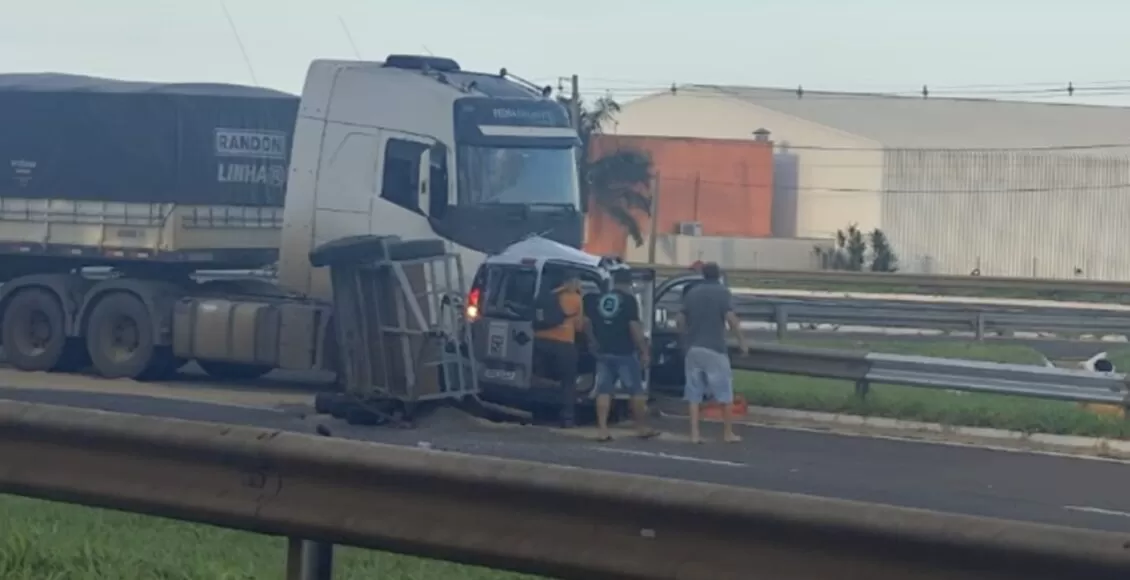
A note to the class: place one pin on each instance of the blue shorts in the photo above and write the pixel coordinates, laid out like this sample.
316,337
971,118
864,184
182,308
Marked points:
625,368
708,372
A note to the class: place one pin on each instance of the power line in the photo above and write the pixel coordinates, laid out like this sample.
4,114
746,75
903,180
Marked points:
239,42
784,147
1067,91
1018,88
1104,188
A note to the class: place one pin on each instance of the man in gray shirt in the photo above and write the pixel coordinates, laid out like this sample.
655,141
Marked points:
707,311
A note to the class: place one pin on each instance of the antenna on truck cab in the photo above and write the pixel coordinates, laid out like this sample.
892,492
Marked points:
239,42
349,37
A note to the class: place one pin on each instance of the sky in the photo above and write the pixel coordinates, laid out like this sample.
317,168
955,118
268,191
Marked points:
627,48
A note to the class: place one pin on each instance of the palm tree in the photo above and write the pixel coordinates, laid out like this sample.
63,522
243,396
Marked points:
615,182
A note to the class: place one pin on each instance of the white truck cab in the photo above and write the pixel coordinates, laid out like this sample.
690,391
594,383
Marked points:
416,147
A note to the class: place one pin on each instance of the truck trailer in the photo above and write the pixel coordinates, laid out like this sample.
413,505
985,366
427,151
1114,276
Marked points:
411,160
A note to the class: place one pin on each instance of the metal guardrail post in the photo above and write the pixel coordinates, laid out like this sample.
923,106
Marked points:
307,560
979,326
781,318
1126,402
862,387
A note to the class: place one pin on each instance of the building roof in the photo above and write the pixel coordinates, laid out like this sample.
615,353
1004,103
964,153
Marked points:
68,83
937,122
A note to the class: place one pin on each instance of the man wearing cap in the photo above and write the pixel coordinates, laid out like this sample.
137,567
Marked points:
707,312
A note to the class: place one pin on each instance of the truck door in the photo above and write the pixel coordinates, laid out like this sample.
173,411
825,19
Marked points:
503,332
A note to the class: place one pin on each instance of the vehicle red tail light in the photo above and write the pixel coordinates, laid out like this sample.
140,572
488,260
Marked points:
473,303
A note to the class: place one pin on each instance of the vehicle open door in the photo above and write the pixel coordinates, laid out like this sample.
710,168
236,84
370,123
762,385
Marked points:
502,332
643,286
667,372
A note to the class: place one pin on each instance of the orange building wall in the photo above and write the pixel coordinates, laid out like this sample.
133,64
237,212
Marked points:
727,185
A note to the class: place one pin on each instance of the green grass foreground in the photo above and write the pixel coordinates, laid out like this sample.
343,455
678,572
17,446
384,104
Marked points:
42,540
935,406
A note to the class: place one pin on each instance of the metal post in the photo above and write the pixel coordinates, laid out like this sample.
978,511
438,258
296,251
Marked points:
653,227
979,327
781,317
862,387
306,560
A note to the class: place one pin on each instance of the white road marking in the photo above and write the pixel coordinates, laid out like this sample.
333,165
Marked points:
661,455
919,437
1095,510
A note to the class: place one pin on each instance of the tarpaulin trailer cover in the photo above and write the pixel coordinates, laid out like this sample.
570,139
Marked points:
91,139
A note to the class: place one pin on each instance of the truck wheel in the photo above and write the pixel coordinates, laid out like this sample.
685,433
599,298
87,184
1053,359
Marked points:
34,334
119,338
231,371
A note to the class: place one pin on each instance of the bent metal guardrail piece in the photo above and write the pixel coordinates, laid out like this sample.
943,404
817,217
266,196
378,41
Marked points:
943,373
537,518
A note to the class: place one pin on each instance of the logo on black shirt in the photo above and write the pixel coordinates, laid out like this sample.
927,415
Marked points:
609,305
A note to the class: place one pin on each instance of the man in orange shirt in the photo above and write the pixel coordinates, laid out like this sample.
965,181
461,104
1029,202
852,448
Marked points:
559,317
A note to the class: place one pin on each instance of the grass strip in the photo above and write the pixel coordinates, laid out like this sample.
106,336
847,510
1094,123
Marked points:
43,540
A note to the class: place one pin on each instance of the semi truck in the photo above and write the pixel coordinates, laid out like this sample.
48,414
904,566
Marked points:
156,183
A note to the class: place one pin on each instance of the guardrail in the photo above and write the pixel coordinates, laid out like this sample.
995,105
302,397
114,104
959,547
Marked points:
758,277
521,516
980,319
1049,286
865,369
755,278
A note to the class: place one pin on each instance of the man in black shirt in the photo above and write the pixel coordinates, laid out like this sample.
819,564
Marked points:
621,350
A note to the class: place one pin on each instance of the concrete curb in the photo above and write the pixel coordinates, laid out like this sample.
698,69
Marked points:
922,431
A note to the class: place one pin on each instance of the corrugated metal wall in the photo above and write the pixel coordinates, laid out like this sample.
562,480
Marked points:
1046,214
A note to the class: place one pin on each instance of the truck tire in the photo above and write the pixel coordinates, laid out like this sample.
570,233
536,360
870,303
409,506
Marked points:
415,249
34,334
232,371
351,250
119,338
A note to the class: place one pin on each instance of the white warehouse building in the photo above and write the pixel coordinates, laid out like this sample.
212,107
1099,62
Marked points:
1007,188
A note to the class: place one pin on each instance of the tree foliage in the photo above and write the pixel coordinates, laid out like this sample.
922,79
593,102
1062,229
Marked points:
616,181
856,251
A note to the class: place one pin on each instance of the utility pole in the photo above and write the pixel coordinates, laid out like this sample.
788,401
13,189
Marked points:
575,117
575,103
652,236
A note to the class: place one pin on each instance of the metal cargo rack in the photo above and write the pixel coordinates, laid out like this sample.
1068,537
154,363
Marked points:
399,326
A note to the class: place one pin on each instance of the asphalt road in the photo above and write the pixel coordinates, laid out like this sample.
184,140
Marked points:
1021,486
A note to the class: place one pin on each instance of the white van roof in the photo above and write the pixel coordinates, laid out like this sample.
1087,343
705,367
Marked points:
542,250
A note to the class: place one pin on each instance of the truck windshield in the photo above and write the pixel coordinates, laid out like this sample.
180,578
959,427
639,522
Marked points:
517,175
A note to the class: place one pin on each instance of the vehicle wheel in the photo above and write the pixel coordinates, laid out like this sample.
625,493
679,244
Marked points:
414,249
232,371
340,406
324,402
168,369
351,250
359,415
34,334
119,338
